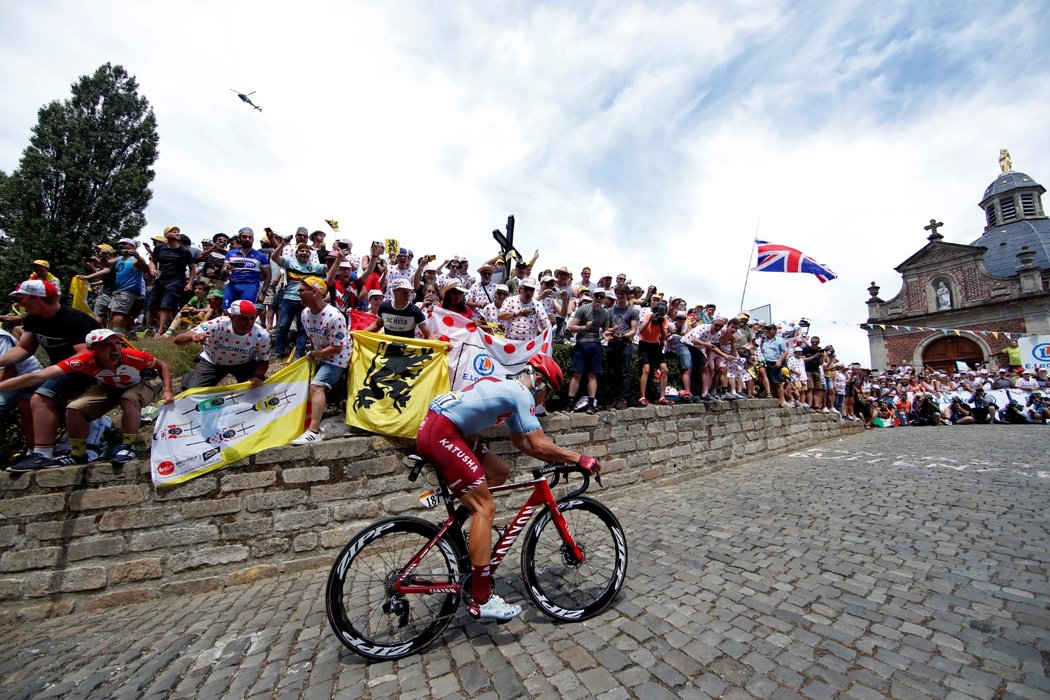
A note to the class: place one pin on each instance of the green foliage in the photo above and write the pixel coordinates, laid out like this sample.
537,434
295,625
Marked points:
178,358
83,180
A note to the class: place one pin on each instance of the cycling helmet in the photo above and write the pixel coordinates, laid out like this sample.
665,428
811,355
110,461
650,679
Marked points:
548,369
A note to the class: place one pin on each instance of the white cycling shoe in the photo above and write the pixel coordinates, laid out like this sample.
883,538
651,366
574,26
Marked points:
495,608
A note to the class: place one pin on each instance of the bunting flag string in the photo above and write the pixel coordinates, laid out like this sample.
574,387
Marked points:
788,324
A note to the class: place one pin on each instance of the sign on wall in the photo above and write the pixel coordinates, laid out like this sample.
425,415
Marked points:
1035,351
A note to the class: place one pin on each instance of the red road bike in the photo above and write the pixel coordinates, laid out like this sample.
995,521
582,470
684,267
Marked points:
396,585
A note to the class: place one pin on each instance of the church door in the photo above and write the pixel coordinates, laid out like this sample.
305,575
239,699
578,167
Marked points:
941,354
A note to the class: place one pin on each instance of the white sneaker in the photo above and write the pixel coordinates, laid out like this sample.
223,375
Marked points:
495,608
307,438
826,410
581,405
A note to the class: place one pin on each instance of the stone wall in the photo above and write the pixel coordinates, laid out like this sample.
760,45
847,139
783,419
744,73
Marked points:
83,538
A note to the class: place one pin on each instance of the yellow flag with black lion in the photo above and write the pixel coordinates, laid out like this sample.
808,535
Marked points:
392,381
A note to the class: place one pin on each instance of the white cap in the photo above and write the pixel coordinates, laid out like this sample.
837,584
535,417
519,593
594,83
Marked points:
99,335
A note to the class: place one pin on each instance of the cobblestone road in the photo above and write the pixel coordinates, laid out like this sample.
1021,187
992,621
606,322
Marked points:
909,563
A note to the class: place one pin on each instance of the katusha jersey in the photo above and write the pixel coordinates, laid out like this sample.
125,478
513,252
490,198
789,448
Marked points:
489,402
127,374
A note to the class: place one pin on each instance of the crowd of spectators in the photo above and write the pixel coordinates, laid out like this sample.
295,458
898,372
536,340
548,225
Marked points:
247,303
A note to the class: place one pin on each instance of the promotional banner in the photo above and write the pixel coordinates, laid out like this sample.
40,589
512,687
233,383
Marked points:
1035,351
476,353
392,380
205,429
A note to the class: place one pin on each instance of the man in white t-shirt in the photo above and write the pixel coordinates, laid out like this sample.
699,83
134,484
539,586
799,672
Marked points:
521,314
233,344
483,292
401,271
331,342
490,314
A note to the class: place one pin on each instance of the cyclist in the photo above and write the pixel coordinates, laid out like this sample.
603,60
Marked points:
446,439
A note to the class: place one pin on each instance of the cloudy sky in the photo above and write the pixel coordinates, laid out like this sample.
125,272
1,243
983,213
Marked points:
650,138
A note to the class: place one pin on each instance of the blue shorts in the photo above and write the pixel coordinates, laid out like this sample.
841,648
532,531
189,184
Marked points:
327,375
236,291
9,400
65,388
685,358
167,295
587,357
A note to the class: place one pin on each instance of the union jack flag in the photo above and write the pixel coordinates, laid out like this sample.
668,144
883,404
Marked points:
773,257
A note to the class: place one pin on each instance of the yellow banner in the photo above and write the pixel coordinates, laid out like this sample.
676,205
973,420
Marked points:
393,247
78,289
208,428
392,380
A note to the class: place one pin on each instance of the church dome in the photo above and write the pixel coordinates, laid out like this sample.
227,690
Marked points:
1005,242
1009,181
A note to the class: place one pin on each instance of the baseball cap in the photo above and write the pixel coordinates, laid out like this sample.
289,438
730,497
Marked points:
214,293
599,290
99,335
301,246
246,230
242,307
132,241
527,282
169,229
316,283
42,263
502,288
400,283
302,231
375,293
105,248
36,288
547,278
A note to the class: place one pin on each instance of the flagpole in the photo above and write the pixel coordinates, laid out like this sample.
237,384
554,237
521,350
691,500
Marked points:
750,255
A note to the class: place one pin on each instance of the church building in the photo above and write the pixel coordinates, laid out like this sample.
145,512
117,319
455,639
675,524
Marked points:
978,293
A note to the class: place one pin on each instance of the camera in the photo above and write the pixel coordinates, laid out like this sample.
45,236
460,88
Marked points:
659,312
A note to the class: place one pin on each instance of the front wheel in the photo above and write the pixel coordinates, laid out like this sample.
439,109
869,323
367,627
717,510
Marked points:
365,612
562,587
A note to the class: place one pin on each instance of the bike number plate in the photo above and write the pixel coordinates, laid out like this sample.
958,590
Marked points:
429,498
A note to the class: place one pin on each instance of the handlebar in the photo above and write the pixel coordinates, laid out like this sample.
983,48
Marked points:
563,470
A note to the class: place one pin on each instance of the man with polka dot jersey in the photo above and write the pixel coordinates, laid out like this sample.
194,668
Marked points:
233,344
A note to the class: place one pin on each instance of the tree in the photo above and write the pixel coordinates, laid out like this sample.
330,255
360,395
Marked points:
83,180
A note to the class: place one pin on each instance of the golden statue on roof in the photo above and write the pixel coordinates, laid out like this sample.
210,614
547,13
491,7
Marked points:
1005,162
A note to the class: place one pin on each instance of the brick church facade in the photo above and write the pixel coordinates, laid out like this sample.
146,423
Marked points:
999,283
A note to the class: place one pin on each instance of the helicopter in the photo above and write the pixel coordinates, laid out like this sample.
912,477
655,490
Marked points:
247,99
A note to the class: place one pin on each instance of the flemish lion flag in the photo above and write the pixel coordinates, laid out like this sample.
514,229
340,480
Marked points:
392,380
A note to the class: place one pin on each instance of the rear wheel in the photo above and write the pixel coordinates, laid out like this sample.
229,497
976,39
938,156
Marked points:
562,587
365,612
